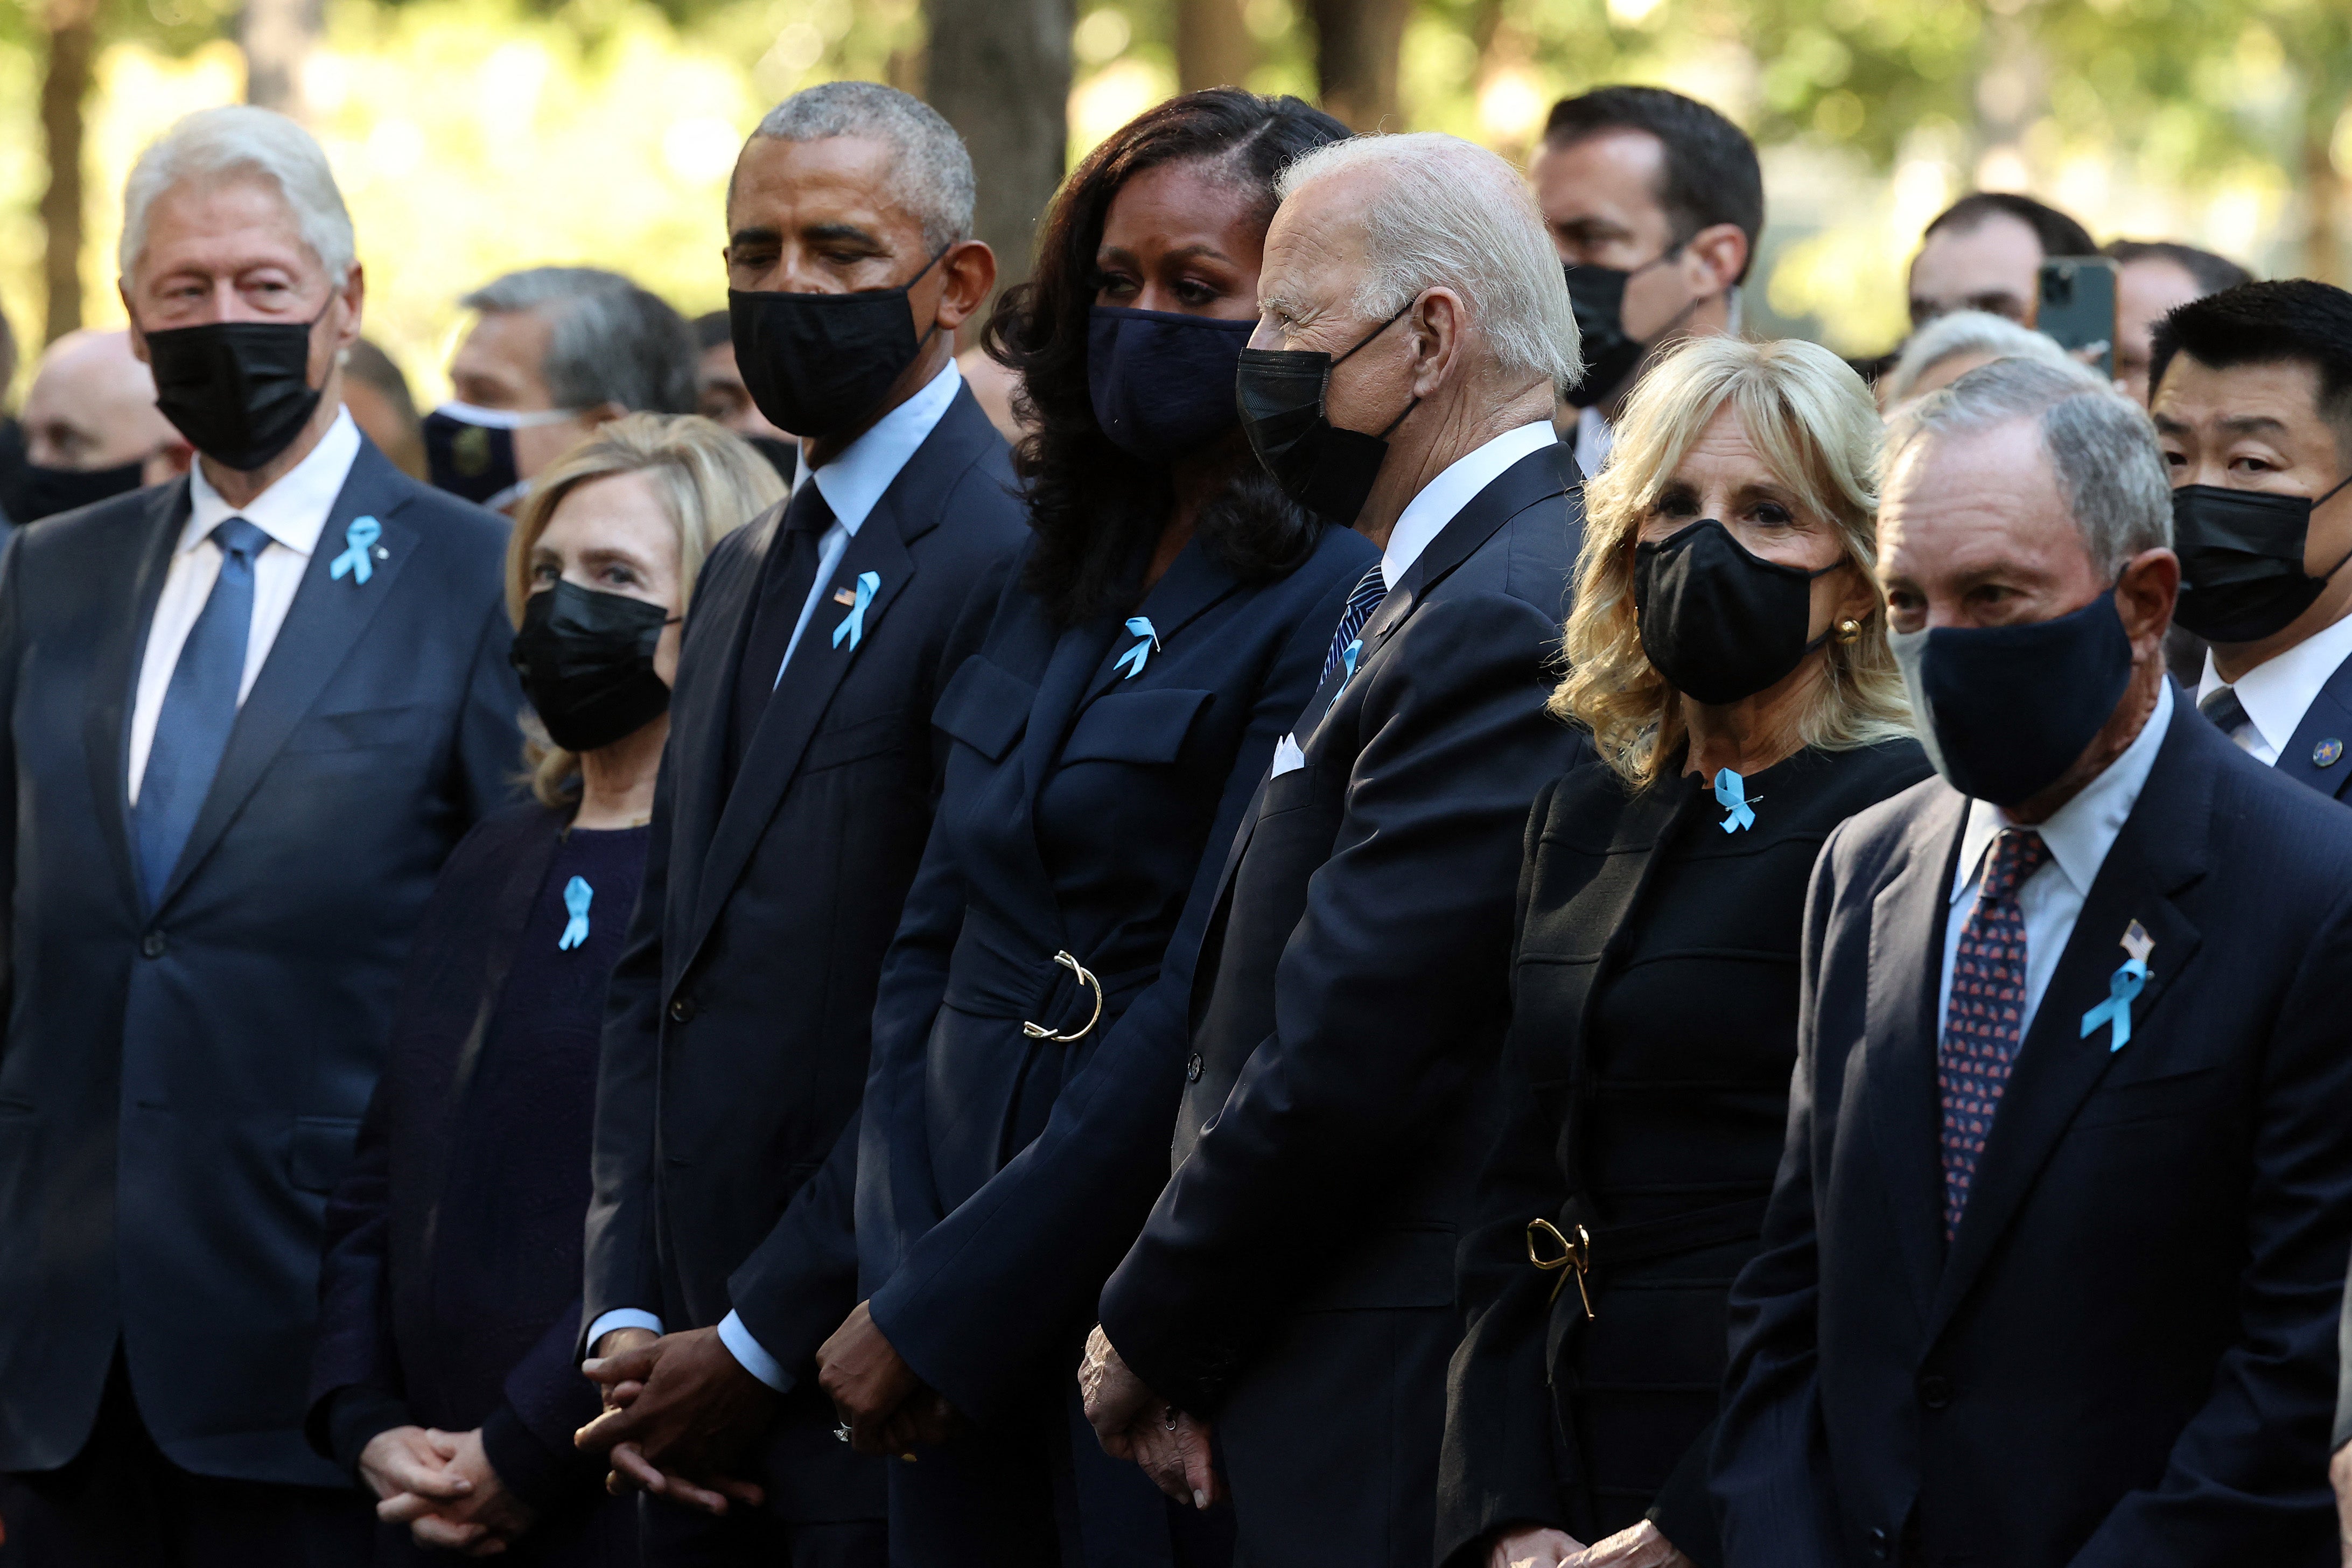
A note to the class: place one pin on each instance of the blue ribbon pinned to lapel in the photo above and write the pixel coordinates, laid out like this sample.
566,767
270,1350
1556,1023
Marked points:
1134,659
358,540
577,894
2123,989
1731,794
1348,657
852,625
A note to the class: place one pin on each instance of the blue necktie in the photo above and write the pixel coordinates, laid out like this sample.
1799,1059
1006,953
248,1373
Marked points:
1369,590
199,709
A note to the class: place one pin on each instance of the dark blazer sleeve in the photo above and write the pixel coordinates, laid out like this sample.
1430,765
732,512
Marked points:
1770,1466
355,1379
993,1288
1371,997
1496,1470
527,1435
2254,1454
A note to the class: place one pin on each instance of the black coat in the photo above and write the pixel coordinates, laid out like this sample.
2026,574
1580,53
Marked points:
1346,1013
735,1051
1645,1092
179,1089
2126,1353
2317,754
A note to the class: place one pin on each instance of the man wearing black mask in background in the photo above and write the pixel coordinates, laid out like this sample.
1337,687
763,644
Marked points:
1654,202
791,814
250,712
91,428
2253,408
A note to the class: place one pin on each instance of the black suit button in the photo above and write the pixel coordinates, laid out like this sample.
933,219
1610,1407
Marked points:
152,945
1192,1067
1935,1391
1880,1547
681,1010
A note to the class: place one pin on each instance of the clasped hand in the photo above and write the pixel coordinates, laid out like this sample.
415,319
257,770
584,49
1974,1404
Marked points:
1132,1422
1641,1546
886,1406
679,1410
441,1485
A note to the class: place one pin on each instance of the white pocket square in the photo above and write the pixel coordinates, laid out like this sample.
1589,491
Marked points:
1287,758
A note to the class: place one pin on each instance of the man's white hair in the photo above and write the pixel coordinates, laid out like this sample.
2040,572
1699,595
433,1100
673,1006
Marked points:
1445,211
1967,332
239,140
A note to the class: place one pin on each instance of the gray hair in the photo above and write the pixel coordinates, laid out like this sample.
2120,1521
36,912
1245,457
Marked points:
239,139
930,172
608,341
2099,443
1967,332
1449,212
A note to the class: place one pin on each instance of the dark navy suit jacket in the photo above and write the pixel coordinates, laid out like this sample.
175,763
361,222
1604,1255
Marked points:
2125,1355
180,1087
1352,987
736,1043
1080,800
2321,752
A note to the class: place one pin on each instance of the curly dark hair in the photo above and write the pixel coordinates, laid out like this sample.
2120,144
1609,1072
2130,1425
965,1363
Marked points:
1096,509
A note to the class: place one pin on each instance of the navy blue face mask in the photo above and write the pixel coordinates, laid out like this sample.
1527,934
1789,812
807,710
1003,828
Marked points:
2004,711
1162,382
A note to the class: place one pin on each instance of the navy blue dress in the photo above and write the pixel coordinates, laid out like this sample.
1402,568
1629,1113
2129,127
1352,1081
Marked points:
1097,775
450,1294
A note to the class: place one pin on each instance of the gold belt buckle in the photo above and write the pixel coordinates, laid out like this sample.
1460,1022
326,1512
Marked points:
1085,978
1573,1255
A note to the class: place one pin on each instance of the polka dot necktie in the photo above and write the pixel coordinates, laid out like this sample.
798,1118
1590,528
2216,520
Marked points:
1984,1023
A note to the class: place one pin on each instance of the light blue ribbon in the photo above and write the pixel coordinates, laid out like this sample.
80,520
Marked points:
1134,659
852,625
358,540
1731,794
1348,657
576,896
2124,988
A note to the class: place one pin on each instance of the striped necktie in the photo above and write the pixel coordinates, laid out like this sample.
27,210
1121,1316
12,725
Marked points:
1366,596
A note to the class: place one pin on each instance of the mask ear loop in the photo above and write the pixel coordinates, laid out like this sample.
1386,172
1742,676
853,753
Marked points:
908,287
2328,495
1367,338
1814,576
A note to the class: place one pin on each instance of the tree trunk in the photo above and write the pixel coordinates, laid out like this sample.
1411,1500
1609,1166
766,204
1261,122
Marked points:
277,36
1356,47
65,93
1213,46
999,71
2323,192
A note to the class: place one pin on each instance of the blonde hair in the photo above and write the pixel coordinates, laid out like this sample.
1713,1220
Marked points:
710,480
1813,420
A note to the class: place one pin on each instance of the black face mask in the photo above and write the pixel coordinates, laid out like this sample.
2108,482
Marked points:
1597,295
816,365
239,391
1718,622
1162,382
2242,576
44,492
1280,393
586,660
2004,711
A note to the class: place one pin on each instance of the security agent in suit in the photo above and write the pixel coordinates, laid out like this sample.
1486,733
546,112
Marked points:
250,711
2254,409
789,820
2050,1269
1293,1284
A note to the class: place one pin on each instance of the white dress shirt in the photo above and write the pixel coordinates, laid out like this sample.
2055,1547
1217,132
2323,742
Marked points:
851,485
2277,692
2079,834
1595,439
292,511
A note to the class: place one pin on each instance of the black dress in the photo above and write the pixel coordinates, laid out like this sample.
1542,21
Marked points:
450,1295
1645,1095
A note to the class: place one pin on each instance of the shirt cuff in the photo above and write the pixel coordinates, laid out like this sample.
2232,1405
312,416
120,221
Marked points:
620,1318
745,1348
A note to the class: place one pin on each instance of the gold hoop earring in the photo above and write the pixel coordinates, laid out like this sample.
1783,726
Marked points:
1848,631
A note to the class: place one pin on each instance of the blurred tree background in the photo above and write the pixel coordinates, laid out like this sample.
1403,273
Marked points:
472,136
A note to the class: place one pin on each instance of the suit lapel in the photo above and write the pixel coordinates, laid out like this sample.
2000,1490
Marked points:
2325,732
114,685
703,707
325,623
2158,852
1899,1101
1191,588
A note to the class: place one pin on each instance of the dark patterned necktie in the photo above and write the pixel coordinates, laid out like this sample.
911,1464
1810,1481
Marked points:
1366,596
2221,706
1984,1023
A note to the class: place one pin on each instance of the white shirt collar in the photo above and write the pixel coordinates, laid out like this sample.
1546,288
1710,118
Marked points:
293,510
1440,500
853,482
2277,692
2080,833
